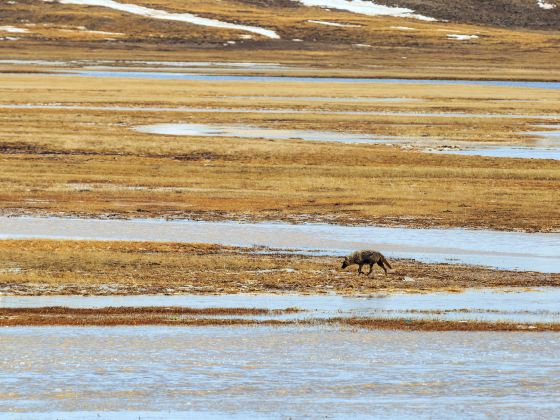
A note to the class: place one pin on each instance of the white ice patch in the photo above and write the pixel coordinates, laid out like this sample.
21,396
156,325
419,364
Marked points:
163,15
403,28
365,8
9,38
13,30
461,37
545,5
342,25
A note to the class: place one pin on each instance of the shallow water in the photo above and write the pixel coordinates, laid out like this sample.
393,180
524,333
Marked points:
537,305
547,146
186,76
518,152
263,372
507,250
246,131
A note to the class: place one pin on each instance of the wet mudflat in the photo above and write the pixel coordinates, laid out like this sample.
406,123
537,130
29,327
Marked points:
245,131
516,152
291,371
506,250
547,147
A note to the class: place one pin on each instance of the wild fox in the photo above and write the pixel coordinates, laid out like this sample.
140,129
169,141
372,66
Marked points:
366,257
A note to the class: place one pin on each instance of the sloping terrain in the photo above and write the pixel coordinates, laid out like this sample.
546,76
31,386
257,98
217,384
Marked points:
534,14
282,31
510,39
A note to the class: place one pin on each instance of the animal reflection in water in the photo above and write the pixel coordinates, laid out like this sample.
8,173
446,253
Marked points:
366,257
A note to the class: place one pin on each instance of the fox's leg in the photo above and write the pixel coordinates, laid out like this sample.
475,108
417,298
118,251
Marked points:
370,269
360,269
380,264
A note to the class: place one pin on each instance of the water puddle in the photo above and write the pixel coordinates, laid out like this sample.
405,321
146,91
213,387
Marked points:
506,250
252,132
518,152
550,138
248,78
241,372
547,146
537,305
450,147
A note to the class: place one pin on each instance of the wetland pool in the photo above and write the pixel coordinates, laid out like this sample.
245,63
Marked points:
214,372
490,305
248,78
522,251
548,145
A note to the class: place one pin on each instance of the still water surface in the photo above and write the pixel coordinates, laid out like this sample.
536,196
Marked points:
261,372
507,250
246,78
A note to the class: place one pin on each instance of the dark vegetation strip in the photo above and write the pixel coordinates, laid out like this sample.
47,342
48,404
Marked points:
440,325
57,316
149,310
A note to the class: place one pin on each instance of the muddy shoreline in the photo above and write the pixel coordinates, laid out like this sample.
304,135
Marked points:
413,222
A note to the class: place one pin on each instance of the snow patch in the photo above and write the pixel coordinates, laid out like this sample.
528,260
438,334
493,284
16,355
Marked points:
13,30
461,37
365,8
543,4
342,25
403,28
163,15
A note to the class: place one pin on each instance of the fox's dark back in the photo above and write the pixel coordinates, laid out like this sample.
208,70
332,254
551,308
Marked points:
363,257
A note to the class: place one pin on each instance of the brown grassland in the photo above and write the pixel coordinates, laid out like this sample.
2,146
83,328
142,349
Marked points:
92,163
52,267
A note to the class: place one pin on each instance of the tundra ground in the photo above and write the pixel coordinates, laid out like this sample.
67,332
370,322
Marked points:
52,267
93,163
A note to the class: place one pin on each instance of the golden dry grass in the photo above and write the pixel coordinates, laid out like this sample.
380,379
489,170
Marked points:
92,162
50,267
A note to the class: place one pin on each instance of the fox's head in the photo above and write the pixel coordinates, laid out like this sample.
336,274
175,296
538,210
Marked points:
345,262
